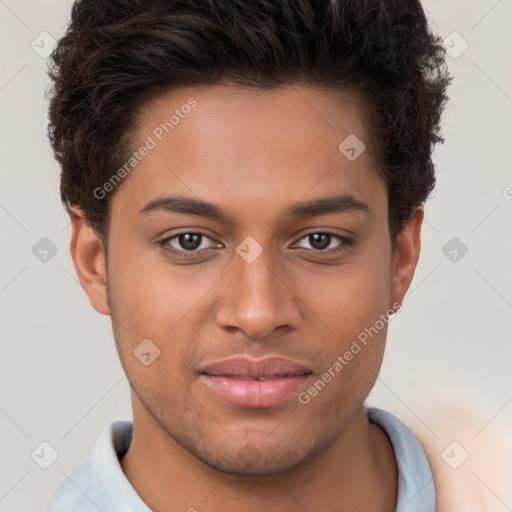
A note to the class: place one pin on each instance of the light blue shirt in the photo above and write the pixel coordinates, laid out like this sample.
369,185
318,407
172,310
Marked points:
99,484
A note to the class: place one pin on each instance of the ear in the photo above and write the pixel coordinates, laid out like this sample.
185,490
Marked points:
407,253
88,257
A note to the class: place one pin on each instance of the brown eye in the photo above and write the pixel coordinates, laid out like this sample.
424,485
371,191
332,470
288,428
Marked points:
319,240
326,242
189,241
186,242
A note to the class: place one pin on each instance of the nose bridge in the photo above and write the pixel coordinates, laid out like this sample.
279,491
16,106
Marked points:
257,280
254,298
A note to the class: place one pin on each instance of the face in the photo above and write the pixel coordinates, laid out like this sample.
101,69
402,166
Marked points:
290,258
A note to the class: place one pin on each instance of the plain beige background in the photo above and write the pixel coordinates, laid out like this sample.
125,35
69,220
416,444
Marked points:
60,378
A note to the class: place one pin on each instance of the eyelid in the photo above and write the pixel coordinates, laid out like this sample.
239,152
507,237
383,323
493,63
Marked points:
344,241
167,239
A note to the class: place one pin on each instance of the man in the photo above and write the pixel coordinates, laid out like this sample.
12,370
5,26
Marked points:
246,184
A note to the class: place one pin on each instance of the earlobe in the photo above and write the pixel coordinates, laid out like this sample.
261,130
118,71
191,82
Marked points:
407,253
88,257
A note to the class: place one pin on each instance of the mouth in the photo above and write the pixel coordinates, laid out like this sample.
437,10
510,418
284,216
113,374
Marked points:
252,378
248,383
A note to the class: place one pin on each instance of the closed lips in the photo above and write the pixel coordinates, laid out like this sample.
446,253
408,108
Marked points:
266,369
245,382
238,377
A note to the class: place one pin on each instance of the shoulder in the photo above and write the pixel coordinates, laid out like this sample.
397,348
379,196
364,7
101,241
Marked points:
416,491
470,458
92,485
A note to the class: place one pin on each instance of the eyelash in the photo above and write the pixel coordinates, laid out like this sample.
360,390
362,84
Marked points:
183,253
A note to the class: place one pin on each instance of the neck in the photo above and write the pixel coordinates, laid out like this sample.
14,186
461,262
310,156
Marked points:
358,471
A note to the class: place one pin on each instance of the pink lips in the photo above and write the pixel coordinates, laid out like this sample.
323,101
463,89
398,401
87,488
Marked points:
248,383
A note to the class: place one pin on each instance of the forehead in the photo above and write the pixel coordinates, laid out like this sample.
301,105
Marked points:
252,146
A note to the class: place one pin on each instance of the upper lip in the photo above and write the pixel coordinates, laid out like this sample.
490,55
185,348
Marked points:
245,367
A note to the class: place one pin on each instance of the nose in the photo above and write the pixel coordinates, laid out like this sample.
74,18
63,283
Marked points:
257,298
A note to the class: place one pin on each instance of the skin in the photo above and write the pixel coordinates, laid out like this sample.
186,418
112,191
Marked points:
253,153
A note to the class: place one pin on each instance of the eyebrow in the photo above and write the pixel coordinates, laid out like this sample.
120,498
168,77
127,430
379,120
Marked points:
191,206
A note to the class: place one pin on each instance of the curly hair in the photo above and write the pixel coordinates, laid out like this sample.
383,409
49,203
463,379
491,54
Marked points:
117,55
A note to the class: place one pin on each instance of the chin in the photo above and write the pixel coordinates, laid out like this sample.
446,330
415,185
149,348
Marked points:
253,461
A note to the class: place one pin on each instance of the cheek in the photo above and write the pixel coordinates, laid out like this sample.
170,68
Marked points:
148,305
150,292
345,308
163,303
352,343
349,298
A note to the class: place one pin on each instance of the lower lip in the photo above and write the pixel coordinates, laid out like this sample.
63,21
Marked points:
254,393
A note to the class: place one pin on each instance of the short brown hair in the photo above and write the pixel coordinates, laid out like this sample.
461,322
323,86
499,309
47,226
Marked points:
118,54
